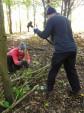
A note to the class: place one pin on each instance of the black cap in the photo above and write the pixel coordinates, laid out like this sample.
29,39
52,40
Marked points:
50,10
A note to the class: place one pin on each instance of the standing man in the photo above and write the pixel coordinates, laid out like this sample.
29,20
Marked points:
58,27
29,25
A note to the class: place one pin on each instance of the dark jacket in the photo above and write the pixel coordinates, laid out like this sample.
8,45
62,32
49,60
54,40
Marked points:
58,27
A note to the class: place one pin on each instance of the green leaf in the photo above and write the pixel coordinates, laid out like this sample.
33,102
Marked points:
46,104
8,2
6,104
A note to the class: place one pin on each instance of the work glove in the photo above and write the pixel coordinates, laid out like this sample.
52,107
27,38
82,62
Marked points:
24,64
36,30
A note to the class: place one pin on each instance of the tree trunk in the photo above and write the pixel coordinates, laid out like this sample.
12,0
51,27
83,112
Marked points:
70,4
3,62
44,12
9,18
19,19
66,8
34,10
62,8
27,13
10,21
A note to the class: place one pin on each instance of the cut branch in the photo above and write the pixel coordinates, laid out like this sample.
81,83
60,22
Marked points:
20,100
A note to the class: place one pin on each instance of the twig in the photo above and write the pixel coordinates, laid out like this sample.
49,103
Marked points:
20,100
14,80
35,78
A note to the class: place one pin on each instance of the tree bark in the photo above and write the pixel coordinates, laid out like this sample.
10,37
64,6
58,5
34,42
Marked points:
44,12
67,7
62,8
34,11
10,21
9,18
3,62
19,19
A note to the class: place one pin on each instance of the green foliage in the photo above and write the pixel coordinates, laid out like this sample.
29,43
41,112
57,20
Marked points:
19,92
37,2
8,2
61,83
5,104
46,104
55,3
27,3
28,73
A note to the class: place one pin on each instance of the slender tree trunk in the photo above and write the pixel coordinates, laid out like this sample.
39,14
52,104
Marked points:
69,9
27,13
19,19
9,19
48,1
65,7
44,12
34,10
62,8
3,62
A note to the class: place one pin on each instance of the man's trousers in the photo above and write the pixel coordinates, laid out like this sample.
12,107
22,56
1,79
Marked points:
68,59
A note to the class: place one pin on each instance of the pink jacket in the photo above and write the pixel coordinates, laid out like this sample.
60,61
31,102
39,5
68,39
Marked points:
18,56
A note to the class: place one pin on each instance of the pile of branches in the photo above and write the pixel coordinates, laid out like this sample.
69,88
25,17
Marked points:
25,79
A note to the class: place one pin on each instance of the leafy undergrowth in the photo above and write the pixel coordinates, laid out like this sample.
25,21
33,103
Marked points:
24,81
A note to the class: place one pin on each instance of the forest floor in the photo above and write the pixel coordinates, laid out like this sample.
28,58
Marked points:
59,102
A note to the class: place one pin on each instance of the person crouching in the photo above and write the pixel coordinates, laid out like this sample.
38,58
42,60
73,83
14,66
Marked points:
18,58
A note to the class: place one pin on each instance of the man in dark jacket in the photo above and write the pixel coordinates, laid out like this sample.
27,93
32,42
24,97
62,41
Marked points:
58,27
29,25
